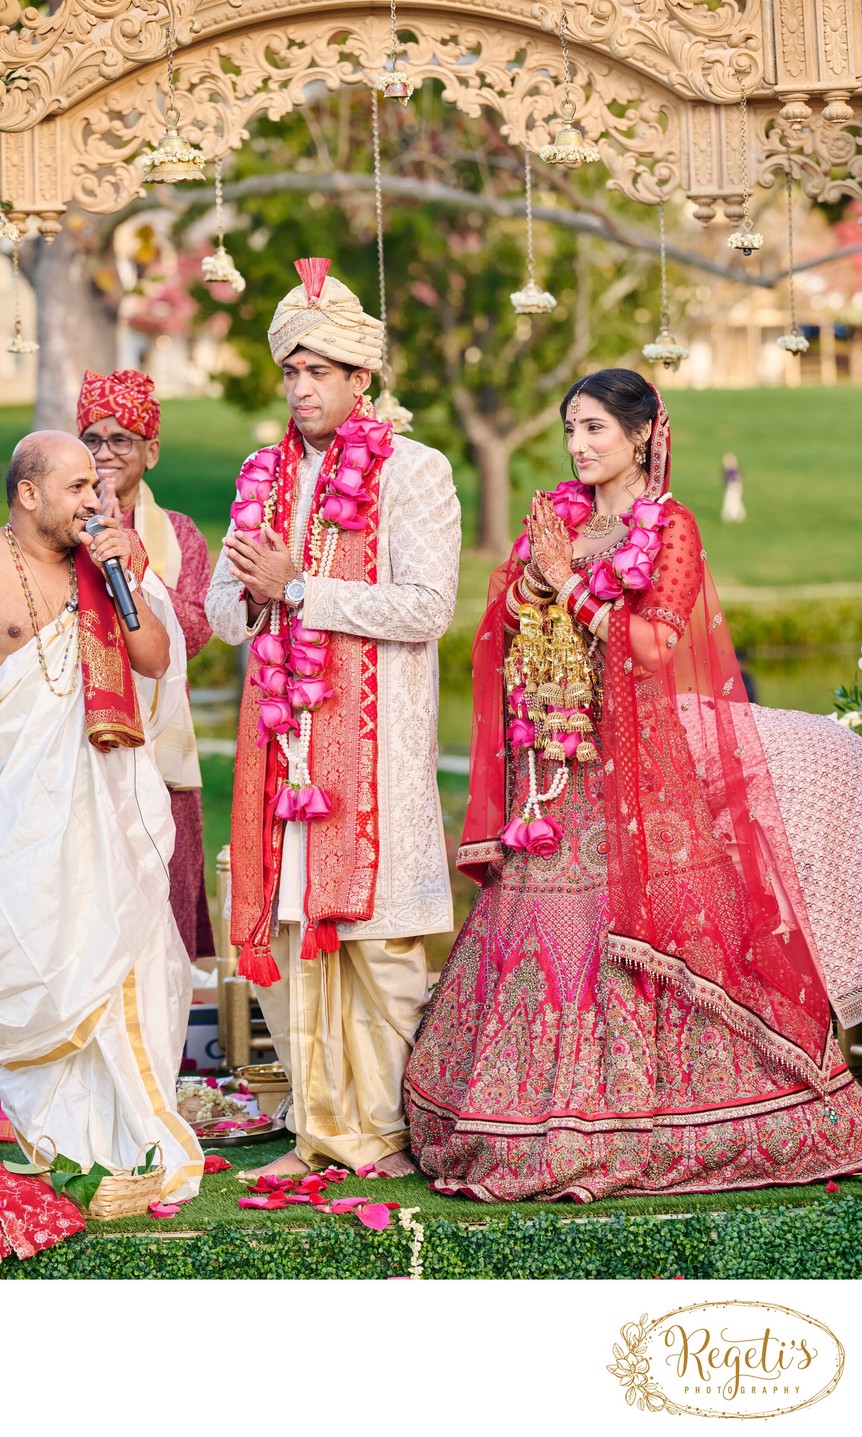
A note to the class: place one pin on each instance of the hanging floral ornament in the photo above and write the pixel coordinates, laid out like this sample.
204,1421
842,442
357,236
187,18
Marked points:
570,148
18,344
394,83
8,229
664,348
174,160
219,268
746,239
794,342
531,299
387,406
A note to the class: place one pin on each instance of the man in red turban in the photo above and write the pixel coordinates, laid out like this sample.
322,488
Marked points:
118,420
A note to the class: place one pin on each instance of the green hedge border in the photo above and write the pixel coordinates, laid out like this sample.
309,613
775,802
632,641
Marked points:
783,1243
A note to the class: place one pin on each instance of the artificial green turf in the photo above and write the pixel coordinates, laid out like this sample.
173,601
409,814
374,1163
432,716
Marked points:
217,1203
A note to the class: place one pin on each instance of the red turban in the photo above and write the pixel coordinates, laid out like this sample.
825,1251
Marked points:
126,394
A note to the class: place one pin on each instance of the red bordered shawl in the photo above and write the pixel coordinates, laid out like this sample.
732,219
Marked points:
342,853
112,716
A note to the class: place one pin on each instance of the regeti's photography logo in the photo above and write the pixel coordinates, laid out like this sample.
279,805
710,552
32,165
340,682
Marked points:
727,1359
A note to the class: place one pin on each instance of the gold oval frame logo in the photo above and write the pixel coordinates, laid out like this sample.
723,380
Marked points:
732,1359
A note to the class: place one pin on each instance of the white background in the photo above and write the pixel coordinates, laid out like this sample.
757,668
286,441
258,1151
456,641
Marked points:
324,1359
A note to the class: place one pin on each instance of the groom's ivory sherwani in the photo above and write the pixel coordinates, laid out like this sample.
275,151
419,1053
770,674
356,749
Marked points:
344,1026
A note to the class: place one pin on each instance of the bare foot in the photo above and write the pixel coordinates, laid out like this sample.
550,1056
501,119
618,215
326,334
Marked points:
394,1165
289,1164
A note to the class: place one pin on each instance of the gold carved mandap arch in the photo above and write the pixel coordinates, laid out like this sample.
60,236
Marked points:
656,84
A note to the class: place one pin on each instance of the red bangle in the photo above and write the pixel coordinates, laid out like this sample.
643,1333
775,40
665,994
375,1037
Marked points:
582,605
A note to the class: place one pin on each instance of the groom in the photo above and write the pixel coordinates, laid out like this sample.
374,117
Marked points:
338,864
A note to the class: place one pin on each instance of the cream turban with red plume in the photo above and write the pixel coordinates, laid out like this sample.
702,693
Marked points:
322,315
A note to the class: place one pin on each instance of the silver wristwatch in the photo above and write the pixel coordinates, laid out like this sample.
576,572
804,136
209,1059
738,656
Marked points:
294,592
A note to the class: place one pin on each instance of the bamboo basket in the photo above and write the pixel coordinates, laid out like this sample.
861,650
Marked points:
129,1194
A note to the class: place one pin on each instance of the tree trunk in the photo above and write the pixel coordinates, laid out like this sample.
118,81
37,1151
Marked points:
76,323
492,462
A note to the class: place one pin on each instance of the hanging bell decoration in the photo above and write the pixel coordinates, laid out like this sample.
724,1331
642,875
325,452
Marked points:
570,148
747,240
8,229
219,268
394,84
665,350
390,411
744,240
18,344
174,160
794,342
532,300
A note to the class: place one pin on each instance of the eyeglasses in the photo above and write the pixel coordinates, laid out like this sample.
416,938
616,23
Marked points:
118,444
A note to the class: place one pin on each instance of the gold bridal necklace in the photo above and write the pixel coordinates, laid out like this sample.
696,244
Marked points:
70,605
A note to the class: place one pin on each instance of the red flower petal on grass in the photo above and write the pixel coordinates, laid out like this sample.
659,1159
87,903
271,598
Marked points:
261,1200
392,1206
374,1215
347,1204
213,1163
364,1171
832,1187
336,1175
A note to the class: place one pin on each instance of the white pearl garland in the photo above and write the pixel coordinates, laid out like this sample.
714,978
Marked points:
557,786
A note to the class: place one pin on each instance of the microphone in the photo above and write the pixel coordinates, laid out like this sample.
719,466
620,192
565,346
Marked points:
119,582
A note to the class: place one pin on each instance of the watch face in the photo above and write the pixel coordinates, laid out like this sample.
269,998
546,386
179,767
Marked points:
296,590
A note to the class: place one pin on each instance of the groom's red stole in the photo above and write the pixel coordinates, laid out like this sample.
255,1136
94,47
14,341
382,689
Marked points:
112,716
342,853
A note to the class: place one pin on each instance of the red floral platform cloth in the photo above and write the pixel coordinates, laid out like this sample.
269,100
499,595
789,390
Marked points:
32,1217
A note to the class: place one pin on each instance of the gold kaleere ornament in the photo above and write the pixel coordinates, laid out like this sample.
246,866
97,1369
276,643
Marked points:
746,240
664,348
18,344
174,160
219,268
794,342
386,406
531,299
570,148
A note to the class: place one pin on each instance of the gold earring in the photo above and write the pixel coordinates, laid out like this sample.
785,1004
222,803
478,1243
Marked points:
640,453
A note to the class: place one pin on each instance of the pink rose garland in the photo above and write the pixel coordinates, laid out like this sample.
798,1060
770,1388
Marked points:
291,674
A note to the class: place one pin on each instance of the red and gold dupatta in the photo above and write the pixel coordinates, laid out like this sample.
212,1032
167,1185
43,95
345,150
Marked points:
112,716
343,849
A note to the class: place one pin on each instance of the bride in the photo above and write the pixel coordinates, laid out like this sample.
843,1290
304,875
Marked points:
638,1001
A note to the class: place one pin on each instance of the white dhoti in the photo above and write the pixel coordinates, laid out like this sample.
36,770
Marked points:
94,981
343,1027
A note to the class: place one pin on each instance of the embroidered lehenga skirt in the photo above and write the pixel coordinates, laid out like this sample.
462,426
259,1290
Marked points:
545,1070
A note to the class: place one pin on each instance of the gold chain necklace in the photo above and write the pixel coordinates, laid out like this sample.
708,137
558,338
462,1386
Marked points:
71,607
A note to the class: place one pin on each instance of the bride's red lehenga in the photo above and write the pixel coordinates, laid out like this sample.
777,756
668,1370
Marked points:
645,1010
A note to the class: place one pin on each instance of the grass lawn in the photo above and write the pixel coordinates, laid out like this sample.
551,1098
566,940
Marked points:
798,450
